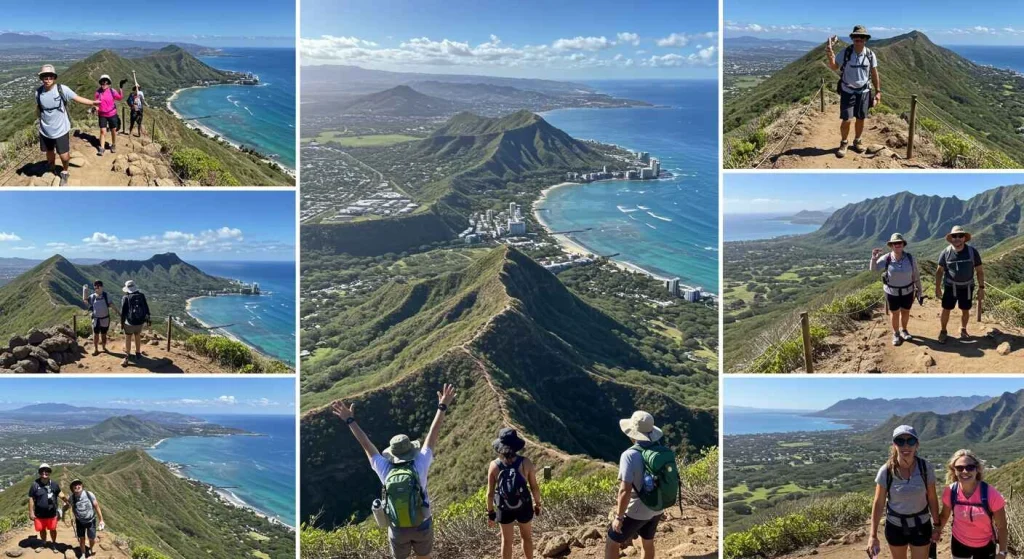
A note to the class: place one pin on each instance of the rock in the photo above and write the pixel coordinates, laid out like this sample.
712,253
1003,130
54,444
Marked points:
28,366
799,131
35,336
630,551
16,341
7,359
152,150
136,169
926,360
120,164
134,157
164,182
163,172
897,140
56,343
850,538
558,546
138,180
14,552
157,342
589,533
39,353
874,148
52,366
1003,349
78,162
667,528
55,182
22,352
707,521
689,530
48,176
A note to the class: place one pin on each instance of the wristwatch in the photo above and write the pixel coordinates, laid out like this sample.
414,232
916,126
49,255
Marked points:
350,421
443,407
1002,553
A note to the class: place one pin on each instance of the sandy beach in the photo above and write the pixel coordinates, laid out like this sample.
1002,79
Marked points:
221,331
225,495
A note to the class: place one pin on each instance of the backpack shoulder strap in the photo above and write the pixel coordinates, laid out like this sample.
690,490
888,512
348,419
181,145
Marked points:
923,466
888,480
984,498
954,492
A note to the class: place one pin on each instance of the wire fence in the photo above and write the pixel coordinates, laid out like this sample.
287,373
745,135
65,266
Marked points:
781,144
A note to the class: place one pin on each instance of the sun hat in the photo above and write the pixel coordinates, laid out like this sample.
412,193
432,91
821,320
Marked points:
75,482
401,449
896,238
958,229
105,77
640,427
129,287
508,441
45,466
47,69
860,31
905,430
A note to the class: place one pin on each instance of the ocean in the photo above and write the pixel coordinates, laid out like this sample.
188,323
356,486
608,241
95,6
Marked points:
257,470
748,227
261,117
753,422
1008,57
668,227
266,322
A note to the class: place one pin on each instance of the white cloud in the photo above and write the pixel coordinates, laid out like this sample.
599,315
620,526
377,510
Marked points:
32,247
230,400
210,240
629,38
629,62
703,57
98,238
326,45
583,43
8,237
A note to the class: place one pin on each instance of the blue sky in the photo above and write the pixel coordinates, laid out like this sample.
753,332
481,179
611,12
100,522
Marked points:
776,192
214,23
802,393
199,396
950,22
244,226
571,39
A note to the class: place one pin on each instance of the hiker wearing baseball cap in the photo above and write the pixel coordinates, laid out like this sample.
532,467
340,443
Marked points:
901,282
402,469
107,111
134,315
54,117
43,509
954,280
905,488
513,494
648,484
87,516
857,73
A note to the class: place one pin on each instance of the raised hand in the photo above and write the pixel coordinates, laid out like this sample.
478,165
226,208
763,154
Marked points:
344,412
446,395
831,44
876,252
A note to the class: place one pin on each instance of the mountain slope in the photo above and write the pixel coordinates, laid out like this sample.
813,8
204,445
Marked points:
521,349
400,100
882,407
999,420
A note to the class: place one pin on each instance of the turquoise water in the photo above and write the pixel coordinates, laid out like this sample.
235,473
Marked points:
748,227
258,470
765,421
261,117
266,322
677,235
1001,56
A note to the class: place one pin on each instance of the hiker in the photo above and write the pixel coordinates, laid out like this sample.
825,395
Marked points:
136,103
857,73
43,511
99,304
954,280
980,521
107,111
402,469
513,494
901,282
905,488
134,315
648,484
52,111
86,511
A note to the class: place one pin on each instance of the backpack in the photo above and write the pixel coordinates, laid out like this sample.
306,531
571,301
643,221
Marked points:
137,309
61,104
885,274
660,464
950,251
922,466
135,101
983,487
51,504
105,300
510,491
847,54
74,508
403,496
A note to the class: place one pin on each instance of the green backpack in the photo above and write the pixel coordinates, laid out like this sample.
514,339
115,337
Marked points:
660,464
403,496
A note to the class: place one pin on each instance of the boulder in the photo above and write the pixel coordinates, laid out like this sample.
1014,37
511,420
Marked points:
164,182
36,337
39,353
78,162
16,341
52,366
152,150
1003,349
27,366
874,148
138,180
14,552
120,164
7,359
558,546
22,352
55,182
134,157
56,343
926,360
589,533
136,169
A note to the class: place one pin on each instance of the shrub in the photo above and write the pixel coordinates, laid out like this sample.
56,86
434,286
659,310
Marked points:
145,552
857,306
194,164
929,124
235,355
956,149
786,355
992,159
700,479
883,109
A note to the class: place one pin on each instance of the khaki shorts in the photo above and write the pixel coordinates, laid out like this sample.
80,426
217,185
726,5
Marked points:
406,541
133,329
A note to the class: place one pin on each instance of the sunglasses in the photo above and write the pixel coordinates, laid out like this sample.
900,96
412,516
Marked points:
48,77
967,468
958,236
905,441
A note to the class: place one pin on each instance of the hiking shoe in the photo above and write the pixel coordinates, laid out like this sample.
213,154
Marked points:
964,336
113,149
906,335
138,356
125,362
95,352
842,149
64,178
99,152
896,339
942,336
857,146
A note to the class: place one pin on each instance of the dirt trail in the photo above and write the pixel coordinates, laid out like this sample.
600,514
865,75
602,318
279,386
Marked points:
155,358
25,543
853,546
815,138
138,162
868,348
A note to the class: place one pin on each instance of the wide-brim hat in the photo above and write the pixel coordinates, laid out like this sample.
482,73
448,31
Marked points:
75,482
45,467
47,69
957,229
105,77
508,441
640,427
129,287
896,238
860,31
905,430
401,449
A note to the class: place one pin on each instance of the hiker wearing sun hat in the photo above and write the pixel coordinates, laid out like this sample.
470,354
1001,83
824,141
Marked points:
954,280
857,73
134,315
54,117
901,282
905,493
44,505
513,494
648,484
404,507
108,97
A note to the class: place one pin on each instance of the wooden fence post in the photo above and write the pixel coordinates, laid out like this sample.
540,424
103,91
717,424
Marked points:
74,324
547,473
805,325
822,94
913,122
168,332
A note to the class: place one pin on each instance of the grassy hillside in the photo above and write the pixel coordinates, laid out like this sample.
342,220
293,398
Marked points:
400,100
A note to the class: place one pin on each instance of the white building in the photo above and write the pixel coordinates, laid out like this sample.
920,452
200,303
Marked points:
692,295
516,227
672,285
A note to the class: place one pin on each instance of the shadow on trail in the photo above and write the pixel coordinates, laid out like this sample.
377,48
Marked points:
806,152
971,349
34,543
92,140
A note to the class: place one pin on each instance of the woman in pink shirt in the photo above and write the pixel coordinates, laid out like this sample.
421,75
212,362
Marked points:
108,97
976,527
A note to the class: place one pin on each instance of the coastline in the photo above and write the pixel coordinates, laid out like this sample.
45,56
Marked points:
221,331
225,495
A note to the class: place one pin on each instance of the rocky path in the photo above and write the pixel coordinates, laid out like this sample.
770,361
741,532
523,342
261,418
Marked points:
25,543
155,358
853,546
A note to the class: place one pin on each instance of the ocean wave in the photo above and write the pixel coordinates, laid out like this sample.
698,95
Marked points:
645,208
625,210
248,111
655,216
711,248
651,226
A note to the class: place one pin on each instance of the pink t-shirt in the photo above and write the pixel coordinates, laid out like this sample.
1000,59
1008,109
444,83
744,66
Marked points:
971,525
107,99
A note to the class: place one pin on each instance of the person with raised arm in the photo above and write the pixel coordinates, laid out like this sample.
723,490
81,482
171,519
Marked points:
857,73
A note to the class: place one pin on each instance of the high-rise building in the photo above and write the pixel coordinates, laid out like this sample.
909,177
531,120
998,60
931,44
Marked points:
490,215
692,295
655,166
512,209
672,285
516,227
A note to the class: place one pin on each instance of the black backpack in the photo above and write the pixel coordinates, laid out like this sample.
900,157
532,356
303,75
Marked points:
954,490
51,504
510,491
847,53
922,466
137,309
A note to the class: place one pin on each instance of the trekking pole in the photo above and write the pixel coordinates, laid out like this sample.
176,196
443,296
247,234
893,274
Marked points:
822,92
168,332
913,121
805,325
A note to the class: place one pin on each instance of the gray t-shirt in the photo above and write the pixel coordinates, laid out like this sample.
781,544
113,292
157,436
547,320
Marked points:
857,74
100,305
82,504
907,496
959,266
53,119
631,470
902,273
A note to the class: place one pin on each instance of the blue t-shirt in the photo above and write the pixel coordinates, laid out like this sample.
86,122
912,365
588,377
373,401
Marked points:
857,74
53,118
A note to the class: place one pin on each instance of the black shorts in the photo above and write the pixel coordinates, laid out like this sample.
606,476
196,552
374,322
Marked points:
136,118
919,535
961,551
854,105
632,527
101,325
957,296
897,302
62,145
110,122
521,515
83,529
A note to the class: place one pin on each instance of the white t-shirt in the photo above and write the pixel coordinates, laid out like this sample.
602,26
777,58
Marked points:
382,467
